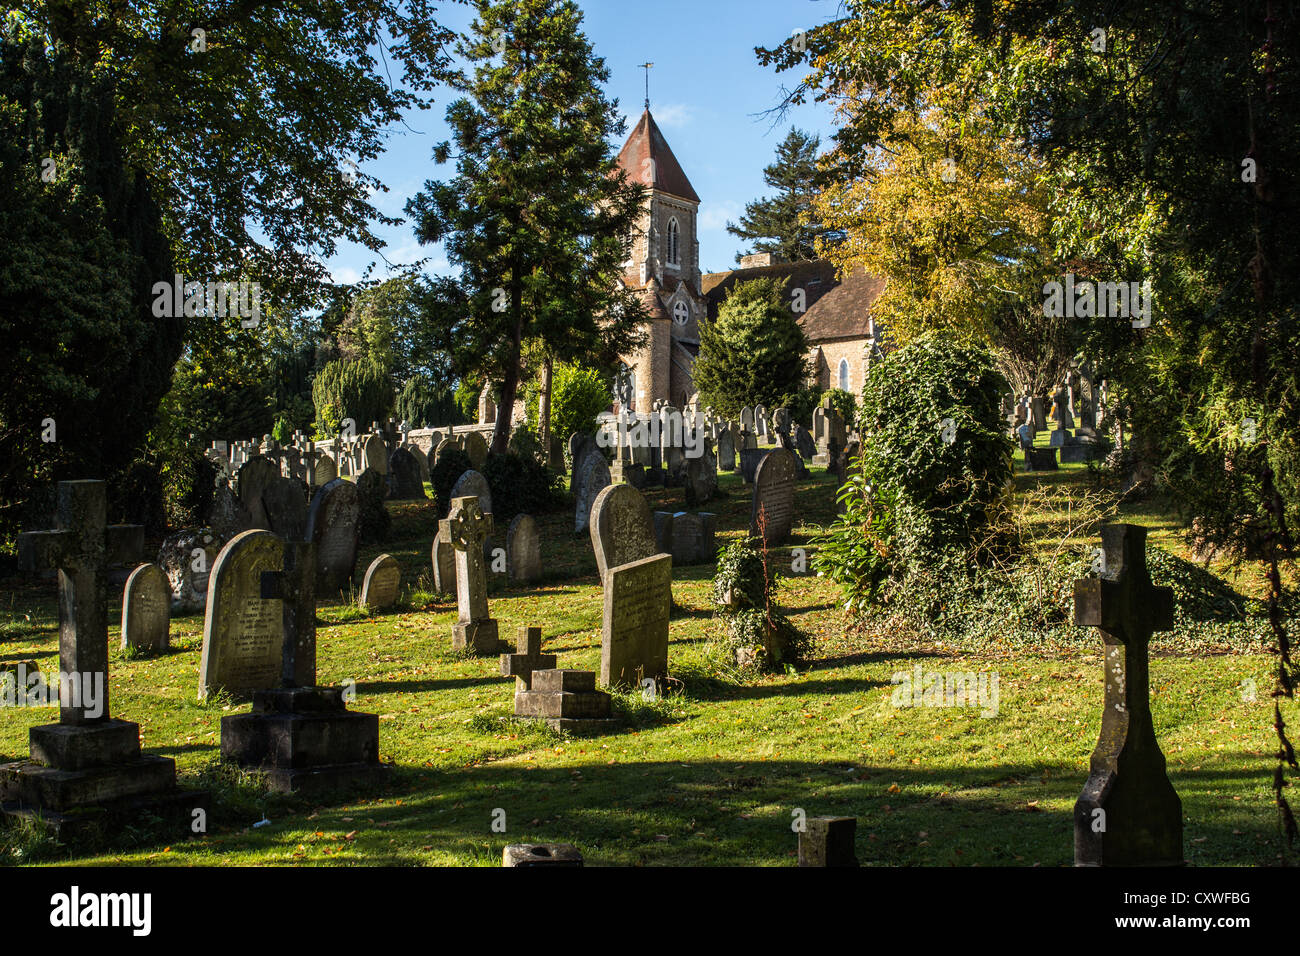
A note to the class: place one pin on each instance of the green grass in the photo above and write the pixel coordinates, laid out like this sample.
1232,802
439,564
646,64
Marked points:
710,774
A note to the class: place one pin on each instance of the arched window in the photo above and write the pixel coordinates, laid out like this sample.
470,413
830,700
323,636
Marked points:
844,374
681,313
673,243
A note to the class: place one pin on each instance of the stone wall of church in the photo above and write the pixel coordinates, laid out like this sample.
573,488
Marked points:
664,209
652,367
826,373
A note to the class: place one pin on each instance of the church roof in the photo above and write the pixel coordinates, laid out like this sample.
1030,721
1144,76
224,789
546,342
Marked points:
836,308
647,142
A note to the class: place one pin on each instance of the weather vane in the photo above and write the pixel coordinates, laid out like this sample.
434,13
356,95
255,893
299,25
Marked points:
646,67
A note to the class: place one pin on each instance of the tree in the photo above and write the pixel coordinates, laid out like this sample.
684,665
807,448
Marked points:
1170,137
753,353
361,390
787,223
538,218
86,361
955,218
246,117
578,395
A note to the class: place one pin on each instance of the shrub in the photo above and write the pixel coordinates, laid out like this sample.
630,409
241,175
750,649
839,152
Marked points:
425,402
753,353
932,476
578,395
358,389
444,473
758,636
520,485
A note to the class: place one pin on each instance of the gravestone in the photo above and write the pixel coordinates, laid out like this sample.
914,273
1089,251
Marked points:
422,460
404,480
749,459
523,549
726,448
782,420
382,583
443,557
1128,813
374,455
472,484
146,610
476,448
227,516
593,476
1040,459
302,736
326,471
186,557
828,841
284,501
88,759
465,528
254,477
634,630
242,632
566,700
527,657
773,497
701,478
333,525
692,538
621,528
804,444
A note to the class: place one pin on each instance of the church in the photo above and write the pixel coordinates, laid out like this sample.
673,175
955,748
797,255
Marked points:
665,268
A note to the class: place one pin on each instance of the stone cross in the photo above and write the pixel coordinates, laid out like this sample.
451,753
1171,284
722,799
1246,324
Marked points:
1128,813
465,529
295,588
82,548
528,657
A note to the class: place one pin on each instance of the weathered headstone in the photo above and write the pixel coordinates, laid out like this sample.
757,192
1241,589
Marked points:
404,480
621,528
443,558
227,516
242,632
523,549
749,459
326,471
146,609
773,497
253,478
186,557
466,527
804,444
302,736
593,476
284,501
701,478
476,448
693,538
333,524
472,484
382,583
726,448
634,631
1128,813
374,455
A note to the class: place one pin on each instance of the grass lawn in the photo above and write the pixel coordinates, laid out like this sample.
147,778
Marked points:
711,774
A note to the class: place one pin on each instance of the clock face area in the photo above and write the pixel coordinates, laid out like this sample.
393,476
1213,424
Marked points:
680,313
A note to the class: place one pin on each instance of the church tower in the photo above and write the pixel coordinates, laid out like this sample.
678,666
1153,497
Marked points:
665,265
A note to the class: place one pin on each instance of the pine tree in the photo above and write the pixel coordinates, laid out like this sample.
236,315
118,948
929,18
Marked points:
538,218
753,352
784,224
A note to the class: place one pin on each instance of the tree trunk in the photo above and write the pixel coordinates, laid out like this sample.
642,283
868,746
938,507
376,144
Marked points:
544,412
510,383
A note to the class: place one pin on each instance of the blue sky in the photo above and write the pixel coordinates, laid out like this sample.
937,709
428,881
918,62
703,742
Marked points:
707,93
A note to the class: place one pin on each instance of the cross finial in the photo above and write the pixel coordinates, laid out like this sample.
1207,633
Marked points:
646,67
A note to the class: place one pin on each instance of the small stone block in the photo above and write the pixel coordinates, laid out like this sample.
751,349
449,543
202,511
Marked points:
828,841
480,636
541,854
564,681
83,747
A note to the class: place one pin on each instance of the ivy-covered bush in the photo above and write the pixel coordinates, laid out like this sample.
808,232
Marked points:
443,475
758,636
846,403
932,477
520,485
578,395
